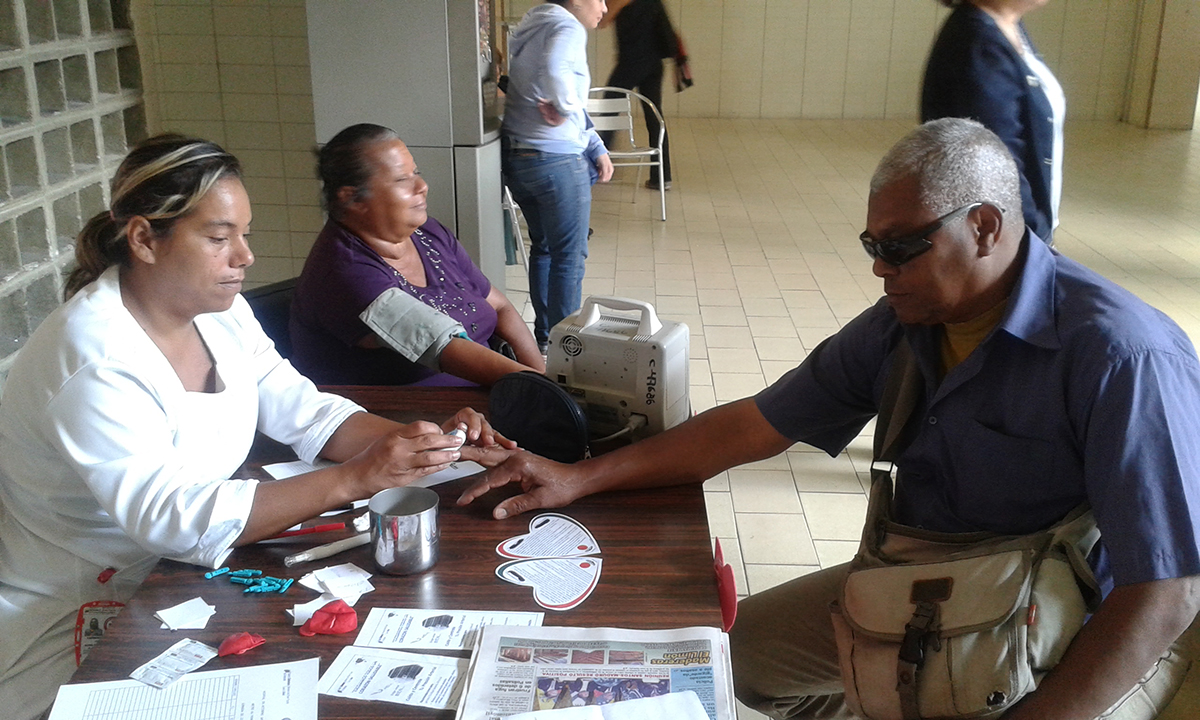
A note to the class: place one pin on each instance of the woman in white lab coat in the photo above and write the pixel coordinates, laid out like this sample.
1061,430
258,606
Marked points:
131,407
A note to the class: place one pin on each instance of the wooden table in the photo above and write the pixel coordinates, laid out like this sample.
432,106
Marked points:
658,571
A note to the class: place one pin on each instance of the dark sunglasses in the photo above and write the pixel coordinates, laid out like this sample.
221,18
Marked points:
899,250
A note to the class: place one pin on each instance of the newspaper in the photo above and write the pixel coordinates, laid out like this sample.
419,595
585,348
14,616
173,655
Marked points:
517,669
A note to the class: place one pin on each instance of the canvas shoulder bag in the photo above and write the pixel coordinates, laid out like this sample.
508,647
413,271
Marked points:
950,625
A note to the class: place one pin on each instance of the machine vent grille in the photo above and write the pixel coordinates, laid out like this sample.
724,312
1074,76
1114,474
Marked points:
571,345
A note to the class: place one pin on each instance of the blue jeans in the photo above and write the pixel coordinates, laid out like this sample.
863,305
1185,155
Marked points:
555,194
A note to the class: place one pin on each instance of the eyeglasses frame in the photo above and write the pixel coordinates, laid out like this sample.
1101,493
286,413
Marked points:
920,238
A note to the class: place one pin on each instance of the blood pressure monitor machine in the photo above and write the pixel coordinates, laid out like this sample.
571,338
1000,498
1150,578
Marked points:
628,372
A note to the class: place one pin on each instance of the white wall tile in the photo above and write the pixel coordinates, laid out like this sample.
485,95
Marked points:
915,24
741,71
242,19
237,50
870,40
186,49
184,20
700,22
250,107
252,135
196,77
1081,61
827,37
290,50
785,30
247,79
1119,37
1047,26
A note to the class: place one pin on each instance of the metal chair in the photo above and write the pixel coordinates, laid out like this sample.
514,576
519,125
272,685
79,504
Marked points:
514,225
616,114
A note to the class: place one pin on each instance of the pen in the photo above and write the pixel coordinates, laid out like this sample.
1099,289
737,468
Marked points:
309,530
324,551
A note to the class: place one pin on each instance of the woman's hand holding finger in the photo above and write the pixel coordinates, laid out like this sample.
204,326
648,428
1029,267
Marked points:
479,431
469,420
396,459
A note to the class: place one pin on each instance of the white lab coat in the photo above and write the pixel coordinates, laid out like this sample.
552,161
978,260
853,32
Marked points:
106,462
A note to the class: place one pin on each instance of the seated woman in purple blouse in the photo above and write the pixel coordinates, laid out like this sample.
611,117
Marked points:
387,295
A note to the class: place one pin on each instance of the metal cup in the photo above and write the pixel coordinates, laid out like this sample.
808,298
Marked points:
404,529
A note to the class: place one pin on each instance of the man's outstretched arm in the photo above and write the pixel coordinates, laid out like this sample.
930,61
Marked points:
694,451
1130,631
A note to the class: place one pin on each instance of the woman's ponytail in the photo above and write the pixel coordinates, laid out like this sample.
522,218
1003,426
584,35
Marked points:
100,245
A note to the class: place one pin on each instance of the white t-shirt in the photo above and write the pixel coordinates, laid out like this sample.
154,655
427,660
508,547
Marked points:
107,462
1058,104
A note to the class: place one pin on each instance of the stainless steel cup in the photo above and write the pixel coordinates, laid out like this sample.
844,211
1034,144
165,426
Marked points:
404,529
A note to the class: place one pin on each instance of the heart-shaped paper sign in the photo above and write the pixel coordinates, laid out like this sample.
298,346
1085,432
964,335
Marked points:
550,535
558,583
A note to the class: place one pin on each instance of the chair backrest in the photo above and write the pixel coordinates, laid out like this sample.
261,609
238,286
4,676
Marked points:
610,114
272,306
612,109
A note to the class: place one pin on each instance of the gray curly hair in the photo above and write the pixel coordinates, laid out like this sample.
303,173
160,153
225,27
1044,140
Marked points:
955,162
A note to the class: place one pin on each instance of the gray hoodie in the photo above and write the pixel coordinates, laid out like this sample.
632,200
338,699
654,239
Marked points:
549,62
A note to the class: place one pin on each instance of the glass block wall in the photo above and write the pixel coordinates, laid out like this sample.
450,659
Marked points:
70,106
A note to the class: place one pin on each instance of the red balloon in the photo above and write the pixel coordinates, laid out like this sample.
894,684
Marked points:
238,643
334,619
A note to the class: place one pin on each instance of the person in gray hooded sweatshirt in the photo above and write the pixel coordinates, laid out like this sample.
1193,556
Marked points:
551,153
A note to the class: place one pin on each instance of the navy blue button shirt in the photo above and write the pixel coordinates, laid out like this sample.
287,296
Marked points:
1082,391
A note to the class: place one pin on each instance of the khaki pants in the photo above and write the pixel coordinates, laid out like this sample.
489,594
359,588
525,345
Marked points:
785,661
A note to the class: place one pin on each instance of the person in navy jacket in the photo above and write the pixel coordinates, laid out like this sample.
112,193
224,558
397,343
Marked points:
984,67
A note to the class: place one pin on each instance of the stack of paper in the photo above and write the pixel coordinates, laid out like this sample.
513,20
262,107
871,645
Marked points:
191,615
341,581
346,582
369,672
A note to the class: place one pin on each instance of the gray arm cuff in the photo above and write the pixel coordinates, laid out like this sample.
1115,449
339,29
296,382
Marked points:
410,327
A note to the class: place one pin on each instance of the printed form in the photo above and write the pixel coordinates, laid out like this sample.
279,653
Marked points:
282,691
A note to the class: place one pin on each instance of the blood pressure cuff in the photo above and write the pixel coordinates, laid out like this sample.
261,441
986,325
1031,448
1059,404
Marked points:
410,327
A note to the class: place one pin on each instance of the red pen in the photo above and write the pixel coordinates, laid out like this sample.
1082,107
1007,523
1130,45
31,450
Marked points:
309,530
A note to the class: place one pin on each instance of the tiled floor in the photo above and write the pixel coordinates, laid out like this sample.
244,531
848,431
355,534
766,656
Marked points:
759,256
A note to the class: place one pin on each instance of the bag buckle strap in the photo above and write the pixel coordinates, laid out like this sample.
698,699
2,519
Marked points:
923,624
919,630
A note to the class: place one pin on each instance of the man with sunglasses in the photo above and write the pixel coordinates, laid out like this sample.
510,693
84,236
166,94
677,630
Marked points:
1044,385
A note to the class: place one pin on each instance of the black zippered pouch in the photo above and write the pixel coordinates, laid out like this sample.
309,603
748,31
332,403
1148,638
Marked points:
539,415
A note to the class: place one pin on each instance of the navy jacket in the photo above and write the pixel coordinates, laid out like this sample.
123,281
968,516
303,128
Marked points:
975,72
